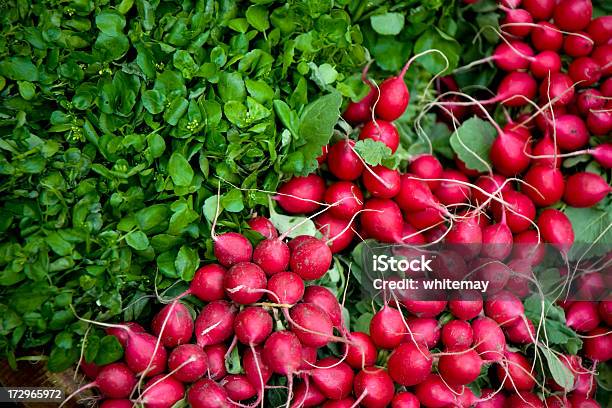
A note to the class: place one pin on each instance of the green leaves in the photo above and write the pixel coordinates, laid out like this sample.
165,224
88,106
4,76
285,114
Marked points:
180,170
592,232
388,23
434,62
472,142
372,152
560,373
19,69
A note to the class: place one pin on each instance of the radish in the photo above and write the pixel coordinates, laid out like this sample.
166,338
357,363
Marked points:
310,259
117,403
509,154
415,195
173,323
465,305
489,339
114,380
584,71
573,15
345,199
361,111
244,282
578,45
556,229
373,387
515,372
544,119
264,226
326,301
144,354
343,162
301,194
558,86
599,123
603,155
518,22
394,96
338,233
238,387
582,316
333,378
457,335
382,220
256,370
423,303
493,271
584,381
343,403
216,361
465,236
460,368
598,344
231,248
606,87
539,9
521,274
309,357
504,308
162,392
207,394
252,325
90,370
381,131
520,332
544,185
427,167
361,350
571,131
600,29
490,399
434,393
409,364
207,283
387,328
496,241
323,156
490,184
546,37
467,398
512,56
121,332
544,63
423,330
585,189
524,400
287,286
311,325
557,401
591,285
307,395
605,311
450,192
386,184
580,401
405,399
272,256
192,361
589,99
449,265
215,322
426,218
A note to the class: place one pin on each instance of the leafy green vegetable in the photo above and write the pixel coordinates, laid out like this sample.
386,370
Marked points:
472,142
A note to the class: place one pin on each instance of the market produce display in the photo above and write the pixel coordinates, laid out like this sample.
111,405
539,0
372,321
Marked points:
192,195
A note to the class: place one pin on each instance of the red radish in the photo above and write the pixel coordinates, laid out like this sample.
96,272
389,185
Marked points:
516,20
117,403
527,245
545,62
194,359
425,331
256,370
467,398
598,344
288,287
460,368
457,335
600,29
465,305
143,352
301,194
343,162
546,153
514,90
283,353
466,237
343,403
207,394
434,392
387,328
389,187
428,167
207,284
238,387
557,401
310,259
491,399
333,378
582,316
589,99
326,301
571,132
381,131
173,324
509,154
162,392
585,189
361,351
512,4
122,333
307,395
496,241
540,9
91,370
573,15
405,399
584,71
578,45
583,383
462,167
264,226
546,37
113,381
559,87
394,96
231,248
605,311
521,273
414,195
521,332
495,272
311,325
337,232
383,220
450,192
411,236
524,400
309,357
513,56
374,387
409,364
244,282
580,401
504,308
215,322
544,185
606,88
556,229
603,155
321,159
515,372
252,325
426,218
361,111
591,285
424,303
272,256
599,122
345,199
490,184
489,339
216,360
